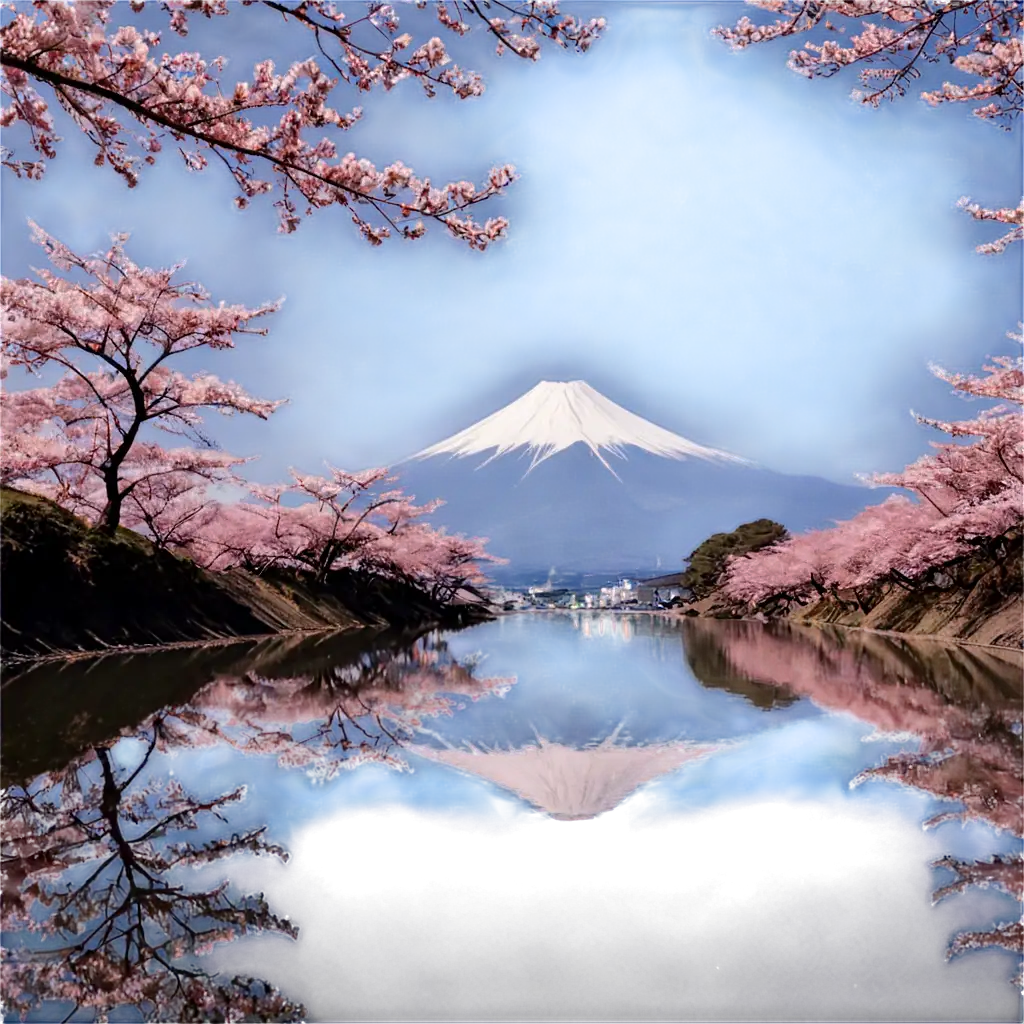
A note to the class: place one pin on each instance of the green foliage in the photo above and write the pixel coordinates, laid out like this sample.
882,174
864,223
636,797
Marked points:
706,562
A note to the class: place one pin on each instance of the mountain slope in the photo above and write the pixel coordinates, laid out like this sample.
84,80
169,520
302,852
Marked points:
557,414
564,478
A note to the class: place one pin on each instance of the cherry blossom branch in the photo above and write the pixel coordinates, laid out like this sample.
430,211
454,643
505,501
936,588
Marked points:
96,72
902,34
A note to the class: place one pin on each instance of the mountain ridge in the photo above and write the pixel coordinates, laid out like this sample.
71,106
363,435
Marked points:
554,415
547,497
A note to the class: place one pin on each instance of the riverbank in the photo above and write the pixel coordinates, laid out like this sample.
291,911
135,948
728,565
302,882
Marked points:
981,603
960,617
69,589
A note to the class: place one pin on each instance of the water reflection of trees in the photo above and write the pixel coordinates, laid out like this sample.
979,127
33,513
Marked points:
964,705
709,664
90,859
333,716
98,898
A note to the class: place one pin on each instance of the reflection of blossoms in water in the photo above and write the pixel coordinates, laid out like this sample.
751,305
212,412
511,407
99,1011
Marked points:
999,872
102,912
340,716
962,705
986,785
92,860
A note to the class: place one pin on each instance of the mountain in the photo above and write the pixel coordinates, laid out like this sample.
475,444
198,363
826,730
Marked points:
565,480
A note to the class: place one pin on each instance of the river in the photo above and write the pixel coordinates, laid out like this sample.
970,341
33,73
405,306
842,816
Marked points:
555,816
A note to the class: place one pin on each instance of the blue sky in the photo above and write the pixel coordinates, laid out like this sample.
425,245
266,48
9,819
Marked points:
741,255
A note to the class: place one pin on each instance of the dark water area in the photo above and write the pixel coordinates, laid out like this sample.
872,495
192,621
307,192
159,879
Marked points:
558,816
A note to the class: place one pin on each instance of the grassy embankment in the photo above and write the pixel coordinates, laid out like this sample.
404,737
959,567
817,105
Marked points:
68,588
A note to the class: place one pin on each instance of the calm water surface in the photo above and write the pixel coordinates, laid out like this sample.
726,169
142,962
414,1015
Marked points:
559,816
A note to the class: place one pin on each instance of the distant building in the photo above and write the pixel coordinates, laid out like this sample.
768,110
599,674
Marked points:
662,589
622,593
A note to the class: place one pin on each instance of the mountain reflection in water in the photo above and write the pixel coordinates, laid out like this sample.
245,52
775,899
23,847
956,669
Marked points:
102,821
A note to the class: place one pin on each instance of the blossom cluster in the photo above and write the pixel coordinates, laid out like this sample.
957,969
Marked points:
92,441
966,495
895,40
131,101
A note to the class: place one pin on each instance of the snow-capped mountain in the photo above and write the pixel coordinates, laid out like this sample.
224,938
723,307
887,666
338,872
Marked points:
557,414
563,478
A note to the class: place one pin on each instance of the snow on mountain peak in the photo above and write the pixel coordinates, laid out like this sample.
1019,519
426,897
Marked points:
556,414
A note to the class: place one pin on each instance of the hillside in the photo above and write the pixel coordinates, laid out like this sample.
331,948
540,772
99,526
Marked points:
976,599
67,587
982,604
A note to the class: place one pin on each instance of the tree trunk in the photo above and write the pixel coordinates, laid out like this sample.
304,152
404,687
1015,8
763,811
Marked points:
111,516
902,581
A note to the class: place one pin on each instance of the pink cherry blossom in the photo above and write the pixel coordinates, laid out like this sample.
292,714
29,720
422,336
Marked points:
132,101
967,495
890,41
344,520
90,439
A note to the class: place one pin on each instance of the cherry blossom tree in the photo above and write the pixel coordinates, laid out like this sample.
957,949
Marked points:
112,327
970,496
48,450
441,564
226,535
131,100
787,572
893,41
320,524
171,508
337,518
976,489
316,523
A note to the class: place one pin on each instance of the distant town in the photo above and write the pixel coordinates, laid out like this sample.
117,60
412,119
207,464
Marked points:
626,593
